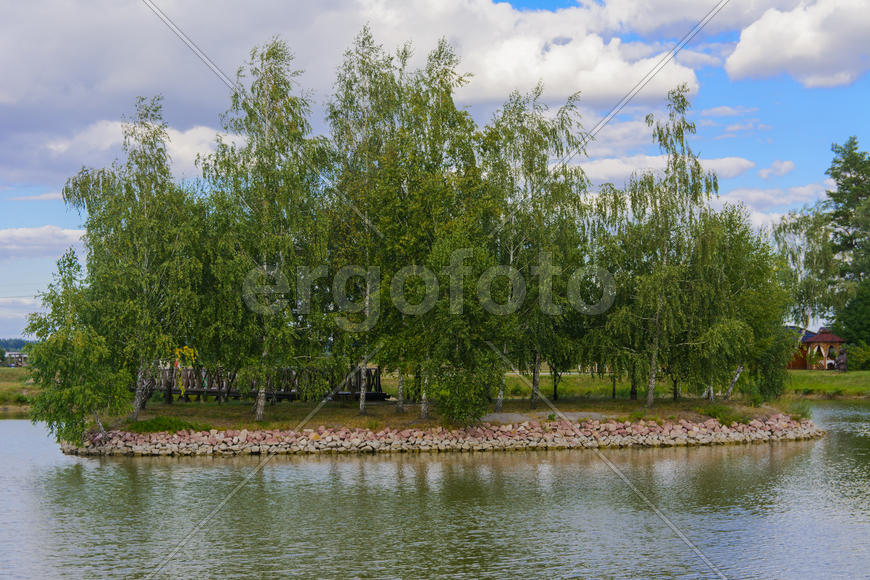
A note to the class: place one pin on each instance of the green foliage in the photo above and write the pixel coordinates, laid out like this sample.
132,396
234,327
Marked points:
800,410
637,415
853,320
463,394
771,370
724,414
72,363
164,424
13,343
237,266
858,357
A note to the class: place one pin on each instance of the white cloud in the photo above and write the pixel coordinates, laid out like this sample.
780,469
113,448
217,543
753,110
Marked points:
726,111
823,44
618,169
676,16
51,195
728,167
17,307
749,125
776,168
96,140
39,241
764,219
98,136
184,146
762,199
13,315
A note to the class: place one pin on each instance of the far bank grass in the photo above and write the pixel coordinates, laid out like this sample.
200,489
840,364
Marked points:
14,390
829,384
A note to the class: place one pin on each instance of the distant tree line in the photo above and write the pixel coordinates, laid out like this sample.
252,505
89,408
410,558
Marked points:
408,236
13,344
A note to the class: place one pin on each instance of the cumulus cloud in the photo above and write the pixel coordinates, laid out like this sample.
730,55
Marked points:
36,242
726,111
98,136
822,44
766,198
51,195
13,315
676,16
616,169
776,168
57,100
99,142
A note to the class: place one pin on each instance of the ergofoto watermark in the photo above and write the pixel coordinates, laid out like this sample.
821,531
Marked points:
356,293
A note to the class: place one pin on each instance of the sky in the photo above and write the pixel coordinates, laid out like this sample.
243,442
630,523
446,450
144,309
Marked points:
773,85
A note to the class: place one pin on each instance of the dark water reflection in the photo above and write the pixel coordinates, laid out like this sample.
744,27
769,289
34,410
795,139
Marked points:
787,510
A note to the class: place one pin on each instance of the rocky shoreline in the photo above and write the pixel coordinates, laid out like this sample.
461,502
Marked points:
483,437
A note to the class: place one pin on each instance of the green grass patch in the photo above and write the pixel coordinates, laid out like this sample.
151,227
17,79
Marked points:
14,389
724,414
162,423
829,383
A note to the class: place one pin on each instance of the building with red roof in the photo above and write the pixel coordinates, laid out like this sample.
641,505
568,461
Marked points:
824,349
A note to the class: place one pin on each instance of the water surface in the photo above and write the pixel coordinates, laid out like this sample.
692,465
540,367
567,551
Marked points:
782,510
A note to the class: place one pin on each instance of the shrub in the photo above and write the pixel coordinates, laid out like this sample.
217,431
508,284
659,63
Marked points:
755,399
168,424
724,414
858,357
800,410
462,394
516,390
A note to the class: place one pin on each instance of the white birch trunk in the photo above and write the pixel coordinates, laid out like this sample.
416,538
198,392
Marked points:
400,393
730,390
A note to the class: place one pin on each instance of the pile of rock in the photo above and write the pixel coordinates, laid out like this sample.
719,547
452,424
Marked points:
483,437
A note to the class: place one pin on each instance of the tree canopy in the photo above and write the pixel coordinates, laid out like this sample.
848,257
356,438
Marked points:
409,235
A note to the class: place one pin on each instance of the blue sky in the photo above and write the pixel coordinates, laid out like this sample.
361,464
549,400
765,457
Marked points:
774,84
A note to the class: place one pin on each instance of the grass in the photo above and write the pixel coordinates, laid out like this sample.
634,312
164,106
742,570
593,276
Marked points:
14,389
287,415
725,414
162,423
829,384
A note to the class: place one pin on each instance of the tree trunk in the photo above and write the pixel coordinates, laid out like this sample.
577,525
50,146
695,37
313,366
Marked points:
167,387
140,396
400,393
424,400
653,368
418,382
261,401
536,379
613,385
633,393
103,434
737,374
556,377
363,387
708,393
676,389
499,397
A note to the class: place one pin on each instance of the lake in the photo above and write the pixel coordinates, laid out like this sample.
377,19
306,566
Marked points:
781,510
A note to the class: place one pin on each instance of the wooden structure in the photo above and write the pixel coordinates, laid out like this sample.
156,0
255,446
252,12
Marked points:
16,359
824,348
283,385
